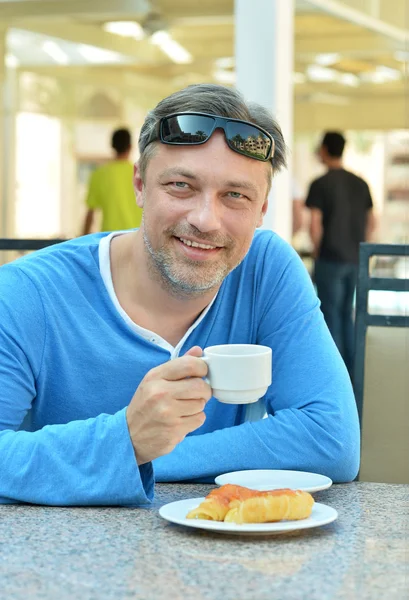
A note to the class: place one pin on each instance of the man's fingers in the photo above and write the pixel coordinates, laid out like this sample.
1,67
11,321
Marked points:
168,404
193,422
189,408
194,351
180,368
192,388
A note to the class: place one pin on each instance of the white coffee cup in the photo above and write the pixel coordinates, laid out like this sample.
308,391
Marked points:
238,373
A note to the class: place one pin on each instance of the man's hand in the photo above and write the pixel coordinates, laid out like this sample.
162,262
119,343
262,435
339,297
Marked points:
167,405
316,230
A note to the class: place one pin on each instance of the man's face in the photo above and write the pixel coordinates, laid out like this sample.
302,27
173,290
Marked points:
201,205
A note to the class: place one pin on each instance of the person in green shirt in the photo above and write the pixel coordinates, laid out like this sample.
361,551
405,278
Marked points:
111,189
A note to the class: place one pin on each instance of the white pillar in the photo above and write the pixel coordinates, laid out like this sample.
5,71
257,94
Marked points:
264,66
3,218
72,205
8,99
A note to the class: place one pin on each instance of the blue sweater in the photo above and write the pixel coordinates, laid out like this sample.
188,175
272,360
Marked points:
67,353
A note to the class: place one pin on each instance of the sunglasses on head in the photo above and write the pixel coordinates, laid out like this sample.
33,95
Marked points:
192,129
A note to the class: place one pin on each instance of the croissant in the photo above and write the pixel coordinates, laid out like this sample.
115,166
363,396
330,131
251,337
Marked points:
216,504
276,505
237,504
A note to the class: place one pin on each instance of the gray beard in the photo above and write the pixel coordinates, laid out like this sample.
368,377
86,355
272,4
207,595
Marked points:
161,268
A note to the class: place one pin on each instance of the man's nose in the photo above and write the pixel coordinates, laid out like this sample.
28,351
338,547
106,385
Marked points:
205,214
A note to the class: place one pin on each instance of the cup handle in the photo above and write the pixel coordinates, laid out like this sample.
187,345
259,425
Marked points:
206,360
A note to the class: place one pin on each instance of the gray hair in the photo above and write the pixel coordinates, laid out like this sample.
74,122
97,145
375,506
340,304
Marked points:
212,99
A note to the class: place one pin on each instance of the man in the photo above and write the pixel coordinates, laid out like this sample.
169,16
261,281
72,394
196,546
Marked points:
88,328
298,207
111,189
341,218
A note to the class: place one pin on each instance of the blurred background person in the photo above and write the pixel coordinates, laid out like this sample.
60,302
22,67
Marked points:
341,217
111,189
298,207
300,239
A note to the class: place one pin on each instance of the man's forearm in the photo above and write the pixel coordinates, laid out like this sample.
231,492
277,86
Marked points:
316,237
291,439
88,222
370,226
316,230
87,462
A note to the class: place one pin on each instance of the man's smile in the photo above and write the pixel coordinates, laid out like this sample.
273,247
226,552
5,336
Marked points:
195,244
197,250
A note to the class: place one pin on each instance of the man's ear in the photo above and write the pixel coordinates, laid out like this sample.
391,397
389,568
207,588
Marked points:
138,185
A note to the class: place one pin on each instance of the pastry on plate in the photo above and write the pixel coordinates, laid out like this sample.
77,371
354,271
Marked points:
238,504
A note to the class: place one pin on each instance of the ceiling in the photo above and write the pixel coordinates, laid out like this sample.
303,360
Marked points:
347,54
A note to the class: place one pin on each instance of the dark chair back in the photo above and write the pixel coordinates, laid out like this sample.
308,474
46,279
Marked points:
363,318
21,245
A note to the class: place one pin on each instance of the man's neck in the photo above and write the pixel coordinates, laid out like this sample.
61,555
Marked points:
334,163
144,297
122,156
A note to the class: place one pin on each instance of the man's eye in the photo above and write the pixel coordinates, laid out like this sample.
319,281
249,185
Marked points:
235,195
180,184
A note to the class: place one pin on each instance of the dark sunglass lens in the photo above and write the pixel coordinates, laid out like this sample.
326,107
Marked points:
187,129
248,140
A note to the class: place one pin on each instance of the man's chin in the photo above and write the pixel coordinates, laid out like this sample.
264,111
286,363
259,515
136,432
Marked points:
194,287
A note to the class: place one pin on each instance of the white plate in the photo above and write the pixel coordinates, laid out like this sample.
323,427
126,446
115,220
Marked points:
176,512
269,479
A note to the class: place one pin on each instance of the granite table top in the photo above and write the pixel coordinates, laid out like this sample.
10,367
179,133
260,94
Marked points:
98,553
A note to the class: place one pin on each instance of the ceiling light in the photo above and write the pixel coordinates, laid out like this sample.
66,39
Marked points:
327,59
11,61
373,77
388,73
56,53
381,74
348,79
324,98
225,77
227,62
299,77
172,48
318,73
16,38
98,55
402,55
125,28
160,37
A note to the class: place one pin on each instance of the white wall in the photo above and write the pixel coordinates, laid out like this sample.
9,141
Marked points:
38,176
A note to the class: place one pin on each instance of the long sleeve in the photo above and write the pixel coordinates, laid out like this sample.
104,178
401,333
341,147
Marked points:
81,462
312,422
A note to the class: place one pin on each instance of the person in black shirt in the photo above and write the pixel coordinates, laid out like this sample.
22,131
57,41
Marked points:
341,217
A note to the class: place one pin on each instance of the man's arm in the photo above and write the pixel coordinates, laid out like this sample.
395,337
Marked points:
89,218
92,201
312,422
315,201
83,462
298,209
79,463
370,225
316,230
94,460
